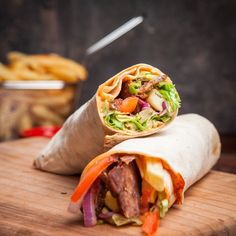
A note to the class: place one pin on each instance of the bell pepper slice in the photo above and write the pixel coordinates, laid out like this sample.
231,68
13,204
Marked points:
151,222
93,172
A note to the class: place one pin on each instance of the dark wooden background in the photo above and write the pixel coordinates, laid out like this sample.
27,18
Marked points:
194,42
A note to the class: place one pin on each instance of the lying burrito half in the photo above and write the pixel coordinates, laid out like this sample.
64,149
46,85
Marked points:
138,101
138,180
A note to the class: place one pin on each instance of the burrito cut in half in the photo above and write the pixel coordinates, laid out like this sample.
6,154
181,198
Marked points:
139,99
138,180
136,102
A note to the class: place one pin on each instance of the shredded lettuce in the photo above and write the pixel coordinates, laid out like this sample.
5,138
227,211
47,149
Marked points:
163,118
100,222
140,122
112,121
119,220
146,118
162,203
123,118
139,125
118,120
163,207
170,94
131,119
146,114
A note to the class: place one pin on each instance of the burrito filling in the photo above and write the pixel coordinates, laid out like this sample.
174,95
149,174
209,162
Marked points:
144,103
127,191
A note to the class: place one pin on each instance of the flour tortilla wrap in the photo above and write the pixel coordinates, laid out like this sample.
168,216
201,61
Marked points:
185,151
103,121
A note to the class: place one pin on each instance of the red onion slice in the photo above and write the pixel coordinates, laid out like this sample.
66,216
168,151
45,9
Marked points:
105,216
143,104
164,106
74,207
89,210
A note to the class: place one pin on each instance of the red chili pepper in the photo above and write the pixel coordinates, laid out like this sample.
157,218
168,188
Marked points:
40,131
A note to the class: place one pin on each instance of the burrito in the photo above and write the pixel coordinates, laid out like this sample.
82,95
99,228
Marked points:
138,180
136,102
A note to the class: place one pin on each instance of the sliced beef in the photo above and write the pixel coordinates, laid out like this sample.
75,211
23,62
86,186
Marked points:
115,105
123,183
104,177
100,192
125,90
148,86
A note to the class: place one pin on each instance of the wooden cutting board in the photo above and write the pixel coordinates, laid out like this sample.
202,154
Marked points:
33,202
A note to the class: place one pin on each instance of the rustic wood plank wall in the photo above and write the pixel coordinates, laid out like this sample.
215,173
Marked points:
193,41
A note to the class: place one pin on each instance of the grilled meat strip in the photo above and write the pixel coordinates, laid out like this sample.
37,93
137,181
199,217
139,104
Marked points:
123,184
148,86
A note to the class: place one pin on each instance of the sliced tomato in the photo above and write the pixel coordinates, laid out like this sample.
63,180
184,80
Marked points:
129,104
91,175
151,222
147,192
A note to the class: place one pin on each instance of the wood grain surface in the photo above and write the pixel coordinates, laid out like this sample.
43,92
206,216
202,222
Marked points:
33,202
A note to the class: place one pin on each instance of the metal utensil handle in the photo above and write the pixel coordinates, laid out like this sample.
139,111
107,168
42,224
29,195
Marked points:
117,33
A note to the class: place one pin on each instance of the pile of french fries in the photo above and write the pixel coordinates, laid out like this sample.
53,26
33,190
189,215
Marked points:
24,109
41,67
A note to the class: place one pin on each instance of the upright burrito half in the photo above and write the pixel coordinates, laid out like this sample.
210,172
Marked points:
138,180
136,102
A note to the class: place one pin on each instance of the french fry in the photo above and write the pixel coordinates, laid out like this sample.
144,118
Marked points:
44,113
7,74
26,74
48,62
67,92
9,117
15,56
28,64
63,110
53,60
64,74
24,109
25,122
53,102
45,123
79,69
50,66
